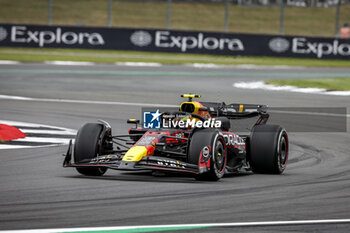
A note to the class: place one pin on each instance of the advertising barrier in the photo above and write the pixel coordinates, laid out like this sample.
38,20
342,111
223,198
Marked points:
153,40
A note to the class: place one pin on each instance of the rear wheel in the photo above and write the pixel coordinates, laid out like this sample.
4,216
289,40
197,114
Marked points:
87,146
207,147
268,149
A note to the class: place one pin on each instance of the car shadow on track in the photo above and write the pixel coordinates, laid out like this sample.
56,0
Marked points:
150,176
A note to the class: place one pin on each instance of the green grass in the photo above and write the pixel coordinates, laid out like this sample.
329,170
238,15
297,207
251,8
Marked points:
107,56
330,84
184,16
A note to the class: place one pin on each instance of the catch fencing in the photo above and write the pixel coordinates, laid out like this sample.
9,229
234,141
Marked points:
320,18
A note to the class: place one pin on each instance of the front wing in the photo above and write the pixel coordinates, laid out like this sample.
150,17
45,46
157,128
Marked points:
115,162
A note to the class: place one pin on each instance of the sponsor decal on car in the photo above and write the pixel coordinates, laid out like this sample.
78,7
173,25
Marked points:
146,140
171,163
233,139
205,151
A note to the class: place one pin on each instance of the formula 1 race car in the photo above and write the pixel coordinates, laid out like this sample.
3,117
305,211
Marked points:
195,139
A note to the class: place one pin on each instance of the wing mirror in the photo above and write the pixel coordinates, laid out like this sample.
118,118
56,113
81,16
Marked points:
133,121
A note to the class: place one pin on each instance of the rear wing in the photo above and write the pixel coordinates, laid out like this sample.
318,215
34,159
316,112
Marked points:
238,111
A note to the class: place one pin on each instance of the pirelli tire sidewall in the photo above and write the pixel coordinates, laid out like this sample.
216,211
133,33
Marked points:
268,149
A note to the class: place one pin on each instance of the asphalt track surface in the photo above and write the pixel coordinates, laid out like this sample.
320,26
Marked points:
36,192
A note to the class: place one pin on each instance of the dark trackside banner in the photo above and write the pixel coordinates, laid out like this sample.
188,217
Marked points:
154,40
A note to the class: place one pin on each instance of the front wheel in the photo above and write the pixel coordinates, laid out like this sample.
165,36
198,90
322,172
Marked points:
87,146
207,150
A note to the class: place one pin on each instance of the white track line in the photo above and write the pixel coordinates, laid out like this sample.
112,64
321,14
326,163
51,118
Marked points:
142,64
249,66
234,224
10,147
56,132
47,140
7,62
70,63
83,101
242,66
262,85
207,65
140,104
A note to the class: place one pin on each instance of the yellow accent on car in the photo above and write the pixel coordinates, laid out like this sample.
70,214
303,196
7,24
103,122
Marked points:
196,106
135,153
240,108
132,119
190,96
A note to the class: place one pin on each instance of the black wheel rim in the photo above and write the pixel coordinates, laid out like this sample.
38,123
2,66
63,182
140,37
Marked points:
283,153
219,157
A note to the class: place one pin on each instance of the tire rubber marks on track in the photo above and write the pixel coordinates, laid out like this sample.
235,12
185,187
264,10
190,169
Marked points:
38,135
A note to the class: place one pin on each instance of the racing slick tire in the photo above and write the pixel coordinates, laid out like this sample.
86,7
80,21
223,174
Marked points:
87,147
268,149
208,138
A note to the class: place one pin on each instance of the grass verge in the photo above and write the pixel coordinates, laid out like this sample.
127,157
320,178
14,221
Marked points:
107,56
330,84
